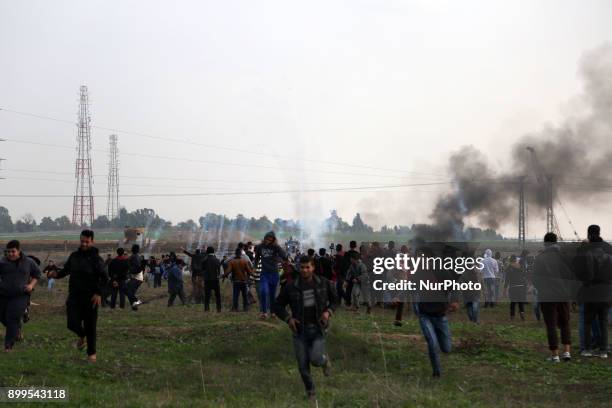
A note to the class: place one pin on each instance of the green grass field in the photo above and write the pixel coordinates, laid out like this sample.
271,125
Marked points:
182,357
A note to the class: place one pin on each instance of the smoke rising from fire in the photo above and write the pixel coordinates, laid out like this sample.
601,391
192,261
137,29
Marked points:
577,153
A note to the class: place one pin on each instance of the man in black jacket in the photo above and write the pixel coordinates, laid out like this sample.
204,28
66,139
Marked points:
197,280
211,269
348,255
118,270
87,279
553,280
324,265
136,276
18,277
312,300
593,267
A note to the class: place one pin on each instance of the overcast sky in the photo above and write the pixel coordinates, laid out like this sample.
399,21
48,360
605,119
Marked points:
392,85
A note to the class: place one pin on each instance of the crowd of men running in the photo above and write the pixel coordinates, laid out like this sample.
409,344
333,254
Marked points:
314,285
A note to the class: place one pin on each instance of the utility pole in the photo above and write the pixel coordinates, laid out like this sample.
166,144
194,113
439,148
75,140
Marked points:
549,205
112,206
1,160
83,204
522,230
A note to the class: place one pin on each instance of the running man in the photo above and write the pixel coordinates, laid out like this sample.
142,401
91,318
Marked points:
312,300
18,277
87,280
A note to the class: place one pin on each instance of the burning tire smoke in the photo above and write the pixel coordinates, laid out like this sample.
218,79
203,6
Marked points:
575,153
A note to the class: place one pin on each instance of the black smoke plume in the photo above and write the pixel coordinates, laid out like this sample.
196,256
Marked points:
577,153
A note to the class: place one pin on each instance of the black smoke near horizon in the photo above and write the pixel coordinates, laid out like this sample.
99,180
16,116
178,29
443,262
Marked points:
577,153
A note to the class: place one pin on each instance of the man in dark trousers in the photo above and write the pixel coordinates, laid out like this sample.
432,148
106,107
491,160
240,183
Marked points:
593,267
554,282
118,270
312,300
87,280
197,279
348,255
136,276
18,277
211,270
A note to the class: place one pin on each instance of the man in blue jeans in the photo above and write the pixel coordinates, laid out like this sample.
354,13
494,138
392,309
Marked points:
270,254
432,308
312,300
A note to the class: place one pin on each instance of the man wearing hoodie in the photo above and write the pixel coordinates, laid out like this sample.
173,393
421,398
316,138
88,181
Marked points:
490,270
18,277
87,280
553,280
269,253
593,267
118,270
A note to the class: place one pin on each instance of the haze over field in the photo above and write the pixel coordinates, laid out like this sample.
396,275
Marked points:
280,96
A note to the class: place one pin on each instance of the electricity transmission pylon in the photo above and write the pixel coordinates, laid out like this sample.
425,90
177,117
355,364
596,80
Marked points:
83,203
112,206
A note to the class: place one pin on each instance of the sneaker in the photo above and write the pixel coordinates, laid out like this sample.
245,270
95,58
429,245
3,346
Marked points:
586,353
553,359
327,366
566,356
600,354
397,323
136,303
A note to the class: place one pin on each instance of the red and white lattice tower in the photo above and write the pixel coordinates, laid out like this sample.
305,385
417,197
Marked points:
83,204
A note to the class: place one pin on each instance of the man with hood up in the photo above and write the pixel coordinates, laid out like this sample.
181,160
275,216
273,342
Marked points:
490,270
87,280
269,253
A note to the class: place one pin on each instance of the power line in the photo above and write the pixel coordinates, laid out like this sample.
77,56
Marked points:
213,146
204,180
175,185
234,193
220,163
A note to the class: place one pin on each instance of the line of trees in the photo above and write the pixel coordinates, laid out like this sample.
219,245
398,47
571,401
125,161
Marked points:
147,217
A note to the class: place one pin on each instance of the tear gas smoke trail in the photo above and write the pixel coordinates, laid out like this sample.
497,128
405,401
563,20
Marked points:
154,238
220,234
228,234
200,236
189,245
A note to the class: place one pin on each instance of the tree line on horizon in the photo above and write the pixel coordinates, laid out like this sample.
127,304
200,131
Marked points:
147,217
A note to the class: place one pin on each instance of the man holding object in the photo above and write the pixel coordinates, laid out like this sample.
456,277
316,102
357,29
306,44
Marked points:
87,278
312,300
